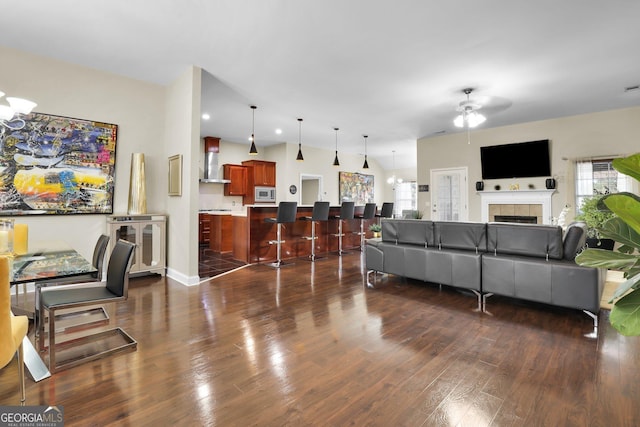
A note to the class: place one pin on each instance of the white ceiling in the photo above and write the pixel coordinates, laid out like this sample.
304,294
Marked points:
394,70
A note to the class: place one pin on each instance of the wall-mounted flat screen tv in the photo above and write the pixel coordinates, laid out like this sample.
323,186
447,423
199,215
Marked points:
519,160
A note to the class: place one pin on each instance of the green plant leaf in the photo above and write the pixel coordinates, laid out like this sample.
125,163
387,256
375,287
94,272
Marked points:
620,231
601,258
633,282
625,315
629,165
627,207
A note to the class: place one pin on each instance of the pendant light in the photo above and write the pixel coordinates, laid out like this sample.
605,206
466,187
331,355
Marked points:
253,151
336,162
366,164
300,158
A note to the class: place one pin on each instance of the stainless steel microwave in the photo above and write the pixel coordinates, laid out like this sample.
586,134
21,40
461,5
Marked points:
265,194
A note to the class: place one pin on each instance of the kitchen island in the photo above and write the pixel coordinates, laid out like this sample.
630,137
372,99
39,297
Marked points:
252,234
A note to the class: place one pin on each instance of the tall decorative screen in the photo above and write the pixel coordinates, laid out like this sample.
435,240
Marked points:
356,187
57,165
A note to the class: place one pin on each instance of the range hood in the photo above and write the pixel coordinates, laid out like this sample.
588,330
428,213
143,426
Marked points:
211,151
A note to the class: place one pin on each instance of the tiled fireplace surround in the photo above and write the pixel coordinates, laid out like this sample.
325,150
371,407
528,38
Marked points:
526,203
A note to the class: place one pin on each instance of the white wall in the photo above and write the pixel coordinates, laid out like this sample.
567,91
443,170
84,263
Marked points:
589,135
68,90
182,136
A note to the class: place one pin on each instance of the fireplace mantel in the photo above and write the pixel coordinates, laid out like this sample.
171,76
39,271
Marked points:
525,197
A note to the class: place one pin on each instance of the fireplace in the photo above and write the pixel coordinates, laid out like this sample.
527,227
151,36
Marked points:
521,219
519,203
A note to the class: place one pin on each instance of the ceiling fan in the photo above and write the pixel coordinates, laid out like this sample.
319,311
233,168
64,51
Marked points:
469,115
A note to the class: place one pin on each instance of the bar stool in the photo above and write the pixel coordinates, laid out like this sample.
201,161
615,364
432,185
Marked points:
386,211
346,213
320,213
369,213
286,213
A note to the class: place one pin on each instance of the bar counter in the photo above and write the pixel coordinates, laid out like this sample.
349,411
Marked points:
252,235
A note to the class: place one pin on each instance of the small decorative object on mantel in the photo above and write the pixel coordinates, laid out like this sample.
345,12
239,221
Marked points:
514,187
496,187
550,183
479,185
532,187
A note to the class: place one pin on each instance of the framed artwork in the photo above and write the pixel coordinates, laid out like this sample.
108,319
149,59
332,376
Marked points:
175,175
355,187
57,165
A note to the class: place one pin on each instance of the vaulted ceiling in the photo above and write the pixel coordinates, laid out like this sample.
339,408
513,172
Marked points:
393,70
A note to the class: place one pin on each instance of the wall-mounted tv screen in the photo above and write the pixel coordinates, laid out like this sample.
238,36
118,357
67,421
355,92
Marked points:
519,160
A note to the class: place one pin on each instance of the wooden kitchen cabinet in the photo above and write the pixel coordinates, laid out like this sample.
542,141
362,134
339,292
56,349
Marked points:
221,233
261,173
237,174
204,229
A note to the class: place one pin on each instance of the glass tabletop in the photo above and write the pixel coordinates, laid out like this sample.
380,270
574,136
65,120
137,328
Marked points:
49,260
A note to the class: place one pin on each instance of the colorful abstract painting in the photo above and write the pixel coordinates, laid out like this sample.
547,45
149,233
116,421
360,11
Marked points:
57,165
355,187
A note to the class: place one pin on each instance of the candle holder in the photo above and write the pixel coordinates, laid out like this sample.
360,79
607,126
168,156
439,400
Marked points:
6,236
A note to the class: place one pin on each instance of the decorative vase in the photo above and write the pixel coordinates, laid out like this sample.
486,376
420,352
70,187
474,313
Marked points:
137,188
20,238
376,234
6,236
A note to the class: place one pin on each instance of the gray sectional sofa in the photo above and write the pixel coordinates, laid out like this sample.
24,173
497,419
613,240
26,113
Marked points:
529,262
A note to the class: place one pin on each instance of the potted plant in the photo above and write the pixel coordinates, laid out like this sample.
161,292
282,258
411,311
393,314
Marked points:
624,228
595,214
376,229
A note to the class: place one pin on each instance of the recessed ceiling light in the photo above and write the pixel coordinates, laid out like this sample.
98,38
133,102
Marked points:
205,116
278,131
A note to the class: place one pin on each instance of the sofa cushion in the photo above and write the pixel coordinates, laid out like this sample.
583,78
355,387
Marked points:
461,235
575,237
408,231
542,241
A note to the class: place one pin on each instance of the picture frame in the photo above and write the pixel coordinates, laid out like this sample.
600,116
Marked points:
56,165
175,175
355,187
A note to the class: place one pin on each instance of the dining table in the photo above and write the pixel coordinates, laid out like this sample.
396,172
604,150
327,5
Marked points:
44,261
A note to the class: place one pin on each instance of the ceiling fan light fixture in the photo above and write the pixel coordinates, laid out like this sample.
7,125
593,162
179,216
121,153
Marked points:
468,116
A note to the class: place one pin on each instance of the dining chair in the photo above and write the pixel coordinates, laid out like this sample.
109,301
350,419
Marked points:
114,289
97,261
13,329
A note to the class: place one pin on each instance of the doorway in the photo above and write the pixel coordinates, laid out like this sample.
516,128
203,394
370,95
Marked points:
310,189
449,195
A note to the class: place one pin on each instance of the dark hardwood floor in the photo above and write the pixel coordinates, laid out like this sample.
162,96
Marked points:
311,345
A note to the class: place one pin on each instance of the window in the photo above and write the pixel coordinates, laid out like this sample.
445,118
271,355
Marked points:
597,178
405,198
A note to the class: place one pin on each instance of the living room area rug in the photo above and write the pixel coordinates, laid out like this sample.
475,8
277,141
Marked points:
614,278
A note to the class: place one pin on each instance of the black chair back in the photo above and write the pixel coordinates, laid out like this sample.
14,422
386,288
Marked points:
98,255
369,211
347,210
287,212
320,211
387,210
118,269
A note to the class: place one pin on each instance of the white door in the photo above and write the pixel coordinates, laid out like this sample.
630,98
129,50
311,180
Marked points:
449,194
